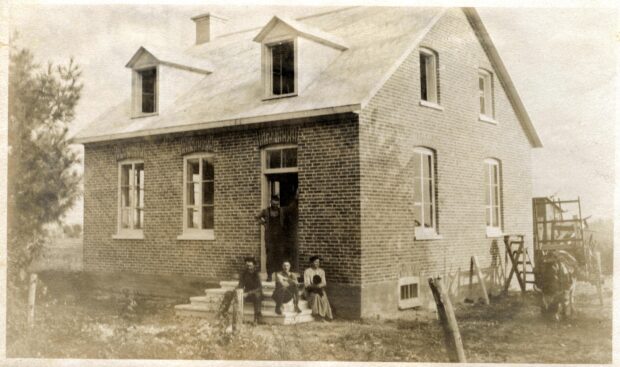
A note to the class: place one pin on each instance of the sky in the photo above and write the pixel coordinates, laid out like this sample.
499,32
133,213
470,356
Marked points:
562,62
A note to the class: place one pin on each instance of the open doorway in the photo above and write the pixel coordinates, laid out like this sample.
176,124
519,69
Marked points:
279,179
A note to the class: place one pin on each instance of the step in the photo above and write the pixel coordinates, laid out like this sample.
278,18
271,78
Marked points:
287,318
232,284
269,316
216,291
270,305
267,293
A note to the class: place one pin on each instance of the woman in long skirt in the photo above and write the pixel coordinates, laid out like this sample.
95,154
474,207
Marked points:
314,290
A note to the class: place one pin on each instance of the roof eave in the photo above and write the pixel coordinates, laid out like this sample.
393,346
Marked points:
209,125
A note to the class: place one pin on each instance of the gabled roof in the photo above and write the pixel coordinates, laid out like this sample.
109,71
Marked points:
503,76
304,31
174,59
378,38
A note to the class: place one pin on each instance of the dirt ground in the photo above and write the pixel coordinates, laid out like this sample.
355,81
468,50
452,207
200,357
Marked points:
511,329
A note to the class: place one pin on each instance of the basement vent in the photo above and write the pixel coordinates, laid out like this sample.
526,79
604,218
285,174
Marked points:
408,292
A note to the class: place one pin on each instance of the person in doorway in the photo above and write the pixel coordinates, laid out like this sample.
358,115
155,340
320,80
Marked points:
314,290
249,281
275,237
290,227
286,288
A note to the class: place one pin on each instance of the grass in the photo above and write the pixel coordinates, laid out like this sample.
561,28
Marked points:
74,323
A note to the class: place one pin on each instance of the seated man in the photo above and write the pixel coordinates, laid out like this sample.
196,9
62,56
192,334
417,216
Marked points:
286,288
249,281
314,283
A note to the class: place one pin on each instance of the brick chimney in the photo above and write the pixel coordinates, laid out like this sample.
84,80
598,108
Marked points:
208,26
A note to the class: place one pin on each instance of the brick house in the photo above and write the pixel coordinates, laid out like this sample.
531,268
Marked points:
400,127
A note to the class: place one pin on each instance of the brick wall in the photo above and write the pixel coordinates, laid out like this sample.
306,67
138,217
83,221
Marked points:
393,123
329,203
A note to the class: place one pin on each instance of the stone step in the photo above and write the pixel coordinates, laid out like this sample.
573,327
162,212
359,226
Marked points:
269,316
287,318
219,292
270,305
216,291
232,284
213,302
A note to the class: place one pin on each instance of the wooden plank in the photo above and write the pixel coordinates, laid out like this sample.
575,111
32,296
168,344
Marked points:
32,292
452,335
599,278
237,319
513,261
485,294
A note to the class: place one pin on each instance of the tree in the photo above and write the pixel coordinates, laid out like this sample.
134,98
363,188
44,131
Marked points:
42,181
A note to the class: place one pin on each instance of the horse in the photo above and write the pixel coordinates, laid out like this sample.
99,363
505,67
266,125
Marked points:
557,281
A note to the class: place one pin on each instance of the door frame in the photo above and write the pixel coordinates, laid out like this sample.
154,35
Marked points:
266,195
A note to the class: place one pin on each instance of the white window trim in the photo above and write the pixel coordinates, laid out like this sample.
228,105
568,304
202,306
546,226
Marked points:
126,233
268,171
193,234
425,233
410,302
494,231
267,75
431,105
136,81
489,96
432,81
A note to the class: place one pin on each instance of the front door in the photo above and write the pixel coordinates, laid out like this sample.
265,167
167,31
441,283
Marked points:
280,178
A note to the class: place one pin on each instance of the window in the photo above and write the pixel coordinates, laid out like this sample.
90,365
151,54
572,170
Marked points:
281,73
485,92
148,78
199,190
408,292
131,199
281,158
428,76
493,205
145,92
424,193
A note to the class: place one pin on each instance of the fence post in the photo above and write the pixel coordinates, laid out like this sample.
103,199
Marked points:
32,293
476,266
237,319
452,336
599,277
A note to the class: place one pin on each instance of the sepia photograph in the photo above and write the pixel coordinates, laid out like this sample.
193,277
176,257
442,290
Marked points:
283,184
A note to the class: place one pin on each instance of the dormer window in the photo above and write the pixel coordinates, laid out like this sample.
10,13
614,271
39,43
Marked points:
282,68
287,46
148,80
175,72
145,91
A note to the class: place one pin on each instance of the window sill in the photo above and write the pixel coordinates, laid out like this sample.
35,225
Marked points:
432,105
428,236
494,232
198,236
268,98
134,235
487,119
140,115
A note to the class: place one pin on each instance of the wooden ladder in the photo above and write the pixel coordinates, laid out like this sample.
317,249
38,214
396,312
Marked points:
521,263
